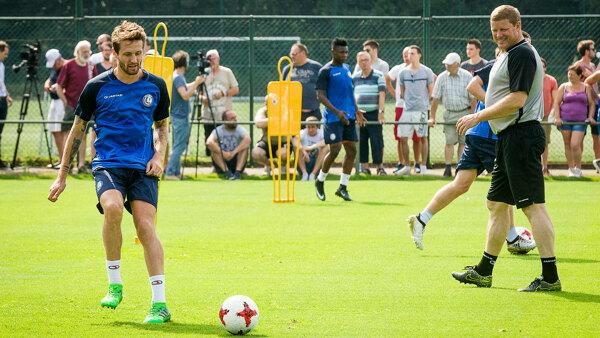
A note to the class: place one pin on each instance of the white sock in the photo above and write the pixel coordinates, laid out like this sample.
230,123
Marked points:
425,216
512,234
157,283
322,176
344,179
113,269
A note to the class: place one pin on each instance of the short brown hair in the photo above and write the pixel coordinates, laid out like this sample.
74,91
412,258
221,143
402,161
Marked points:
506,12
181,59
302,47
127,30
576,68
417,48
474,42
583,46
3,45
371,43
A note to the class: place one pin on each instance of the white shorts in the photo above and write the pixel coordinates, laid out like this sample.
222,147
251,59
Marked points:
56,113
406,130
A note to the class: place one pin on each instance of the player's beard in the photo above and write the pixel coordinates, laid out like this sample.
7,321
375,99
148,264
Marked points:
132,70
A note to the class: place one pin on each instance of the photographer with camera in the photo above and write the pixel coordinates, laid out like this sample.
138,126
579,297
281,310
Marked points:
180,110
56,112
220,86
71,81
5,99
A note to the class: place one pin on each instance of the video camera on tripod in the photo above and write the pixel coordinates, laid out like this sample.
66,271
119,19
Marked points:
29,58
201,62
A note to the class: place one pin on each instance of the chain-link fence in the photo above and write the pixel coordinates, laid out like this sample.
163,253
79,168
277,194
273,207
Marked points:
252,45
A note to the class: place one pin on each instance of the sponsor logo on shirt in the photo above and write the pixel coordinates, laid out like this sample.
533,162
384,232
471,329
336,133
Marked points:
106,97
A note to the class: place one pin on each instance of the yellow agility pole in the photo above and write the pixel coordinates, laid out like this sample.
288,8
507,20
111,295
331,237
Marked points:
163,67
284,111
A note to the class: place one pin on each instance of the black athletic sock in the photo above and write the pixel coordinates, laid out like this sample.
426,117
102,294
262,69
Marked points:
486,265
549,271
342,187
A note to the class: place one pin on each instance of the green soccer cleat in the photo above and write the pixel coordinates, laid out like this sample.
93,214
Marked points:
113,297
539,284
158,314
470,276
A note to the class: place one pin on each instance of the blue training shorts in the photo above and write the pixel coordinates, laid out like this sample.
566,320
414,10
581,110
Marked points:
133,184
479,153
336,132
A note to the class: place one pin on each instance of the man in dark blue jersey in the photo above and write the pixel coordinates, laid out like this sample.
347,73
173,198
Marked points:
125,103
336,92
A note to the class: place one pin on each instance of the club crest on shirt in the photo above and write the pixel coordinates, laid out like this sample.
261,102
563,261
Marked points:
99,186
147,100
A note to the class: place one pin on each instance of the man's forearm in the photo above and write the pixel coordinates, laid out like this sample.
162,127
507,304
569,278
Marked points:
72,144
504,107
161,139
325,101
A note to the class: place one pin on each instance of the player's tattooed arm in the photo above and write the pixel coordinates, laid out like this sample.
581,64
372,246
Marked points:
161,138
72,145
71,148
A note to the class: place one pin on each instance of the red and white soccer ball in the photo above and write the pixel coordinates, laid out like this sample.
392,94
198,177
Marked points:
238,314
525,233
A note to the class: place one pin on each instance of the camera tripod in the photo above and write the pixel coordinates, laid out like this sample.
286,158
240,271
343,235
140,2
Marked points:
196,115
31,83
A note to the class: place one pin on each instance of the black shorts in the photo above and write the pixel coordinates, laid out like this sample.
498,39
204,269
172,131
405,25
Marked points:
479,153
517,178
262,144
336,132
133,184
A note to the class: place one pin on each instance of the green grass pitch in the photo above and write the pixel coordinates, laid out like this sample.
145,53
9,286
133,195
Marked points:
314,268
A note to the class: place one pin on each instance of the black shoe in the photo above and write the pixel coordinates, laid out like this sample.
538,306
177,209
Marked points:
227,175
448,171
343,193
2,164
320,186
539,284
381,172
365,171
236,176
470,276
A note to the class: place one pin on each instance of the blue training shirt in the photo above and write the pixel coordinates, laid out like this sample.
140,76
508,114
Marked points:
124,114
336,81
483,129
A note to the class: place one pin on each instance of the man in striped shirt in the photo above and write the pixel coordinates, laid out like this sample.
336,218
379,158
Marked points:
451,90
369,91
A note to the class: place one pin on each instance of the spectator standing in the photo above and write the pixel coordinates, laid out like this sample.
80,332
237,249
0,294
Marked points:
416,86
369,92
550,90
451,89
221,85
574,103
97,58
105,64
56,112
180,110
305,71
70,83
475,61
5,99
229,145
393,86
312,149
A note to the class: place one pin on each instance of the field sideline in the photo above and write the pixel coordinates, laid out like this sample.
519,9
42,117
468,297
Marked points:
351,271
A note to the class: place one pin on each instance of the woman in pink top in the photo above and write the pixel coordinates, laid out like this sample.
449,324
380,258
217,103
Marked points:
574,103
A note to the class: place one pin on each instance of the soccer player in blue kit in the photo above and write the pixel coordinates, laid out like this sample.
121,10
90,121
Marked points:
124,104
336,92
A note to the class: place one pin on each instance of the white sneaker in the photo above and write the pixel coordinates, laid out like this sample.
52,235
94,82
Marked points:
423,169
304,177
577,172
596,164
571,172
311,177
521,246
417,169
404,171
416,229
